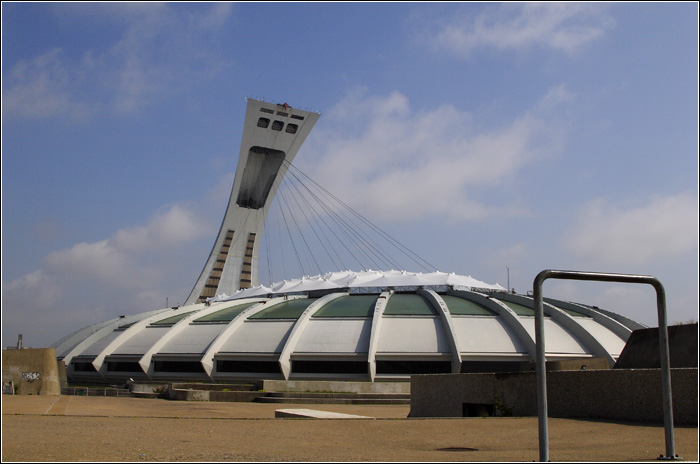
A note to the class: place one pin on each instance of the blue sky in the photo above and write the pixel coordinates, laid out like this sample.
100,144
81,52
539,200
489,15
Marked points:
488,138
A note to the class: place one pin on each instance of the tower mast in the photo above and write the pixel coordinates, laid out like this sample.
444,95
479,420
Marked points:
272,136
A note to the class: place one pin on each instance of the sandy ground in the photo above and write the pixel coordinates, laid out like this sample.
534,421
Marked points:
75,428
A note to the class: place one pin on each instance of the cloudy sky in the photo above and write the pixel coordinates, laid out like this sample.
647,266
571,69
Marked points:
494,140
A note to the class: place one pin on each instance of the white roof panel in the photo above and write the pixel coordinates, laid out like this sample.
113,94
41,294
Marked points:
556,338
412,335
194,339
335,336
100,344
611,342
488,335
142,341
258,337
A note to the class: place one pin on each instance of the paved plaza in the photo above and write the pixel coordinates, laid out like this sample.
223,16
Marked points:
77,428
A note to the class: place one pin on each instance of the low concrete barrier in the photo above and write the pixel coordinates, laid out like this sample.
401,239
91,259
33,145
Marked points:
615,394
235,393
187,394
148,389
336,386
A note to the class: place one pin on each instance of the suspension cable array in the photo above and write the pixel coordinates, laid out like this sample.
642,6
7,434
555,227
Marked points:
324,234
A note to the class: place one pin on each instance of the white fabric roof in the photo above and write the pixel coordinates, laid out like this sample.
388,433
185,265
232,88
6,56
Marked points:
363,279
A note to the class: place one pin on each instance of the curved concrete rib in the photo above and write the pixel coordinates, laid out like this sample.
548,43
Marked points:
235,324
71,340
508,315
379,307
92,338
569,323
89,340
446,318
145,360
285,358
99,364
600,317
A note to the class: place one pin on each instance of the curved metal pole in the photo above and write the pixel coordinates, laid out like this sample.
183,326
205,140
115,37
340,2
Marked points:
540,349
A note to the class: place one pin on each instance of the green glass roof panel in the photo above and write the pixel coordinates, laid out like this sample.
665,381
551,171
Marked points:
519,309
574,313
409,304
559,304
571,312
462,307
290,309
226,314
173,319
349,306
126,326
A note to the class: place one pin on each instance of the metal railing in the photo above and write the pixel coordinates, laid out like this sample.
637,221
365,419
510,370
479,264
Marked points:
95,391
540,350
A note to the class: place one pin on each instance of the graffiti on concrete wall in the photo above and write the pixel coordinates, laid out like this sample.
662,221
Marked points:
31,376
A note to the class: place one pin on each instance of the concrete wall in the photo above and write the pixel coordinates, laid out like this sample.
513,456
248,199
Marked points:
615,394
642,348
62,377
32,371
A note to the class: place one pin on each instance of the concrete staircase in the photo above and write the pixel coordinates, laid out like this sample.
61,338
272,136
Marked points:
334,398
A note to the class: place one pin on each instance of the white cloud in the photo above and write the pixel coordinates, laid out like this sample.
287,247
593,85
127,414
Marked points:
162,49
555,98
36,284
564,27
171,228
131,258
132,270
95,262
399,164
41,88
663,228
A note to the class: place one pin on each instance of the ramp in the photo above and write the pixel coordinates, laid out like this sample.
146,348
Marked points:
314,414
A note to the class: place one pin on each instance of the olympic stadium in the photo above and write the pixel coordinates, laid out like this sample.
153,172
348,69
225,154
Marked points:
365,325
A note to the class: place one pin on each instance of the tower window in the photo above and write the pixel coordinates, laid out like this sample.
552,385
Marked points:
277,125
263,122
291,128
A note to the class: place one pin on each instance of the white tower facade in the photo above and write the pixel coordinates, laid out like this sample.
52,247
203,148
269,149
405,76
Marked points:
272,136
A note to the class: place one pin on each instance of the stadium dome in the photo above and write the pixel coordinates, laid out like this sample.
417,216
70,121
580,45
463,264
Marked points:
348,325
367,325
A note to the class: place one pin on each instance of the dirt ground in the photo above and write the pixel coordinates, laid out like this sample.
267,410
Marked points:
98,429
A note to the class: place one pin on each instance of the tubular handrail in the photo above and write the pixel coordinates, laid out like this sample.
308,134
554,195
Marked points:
540,349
